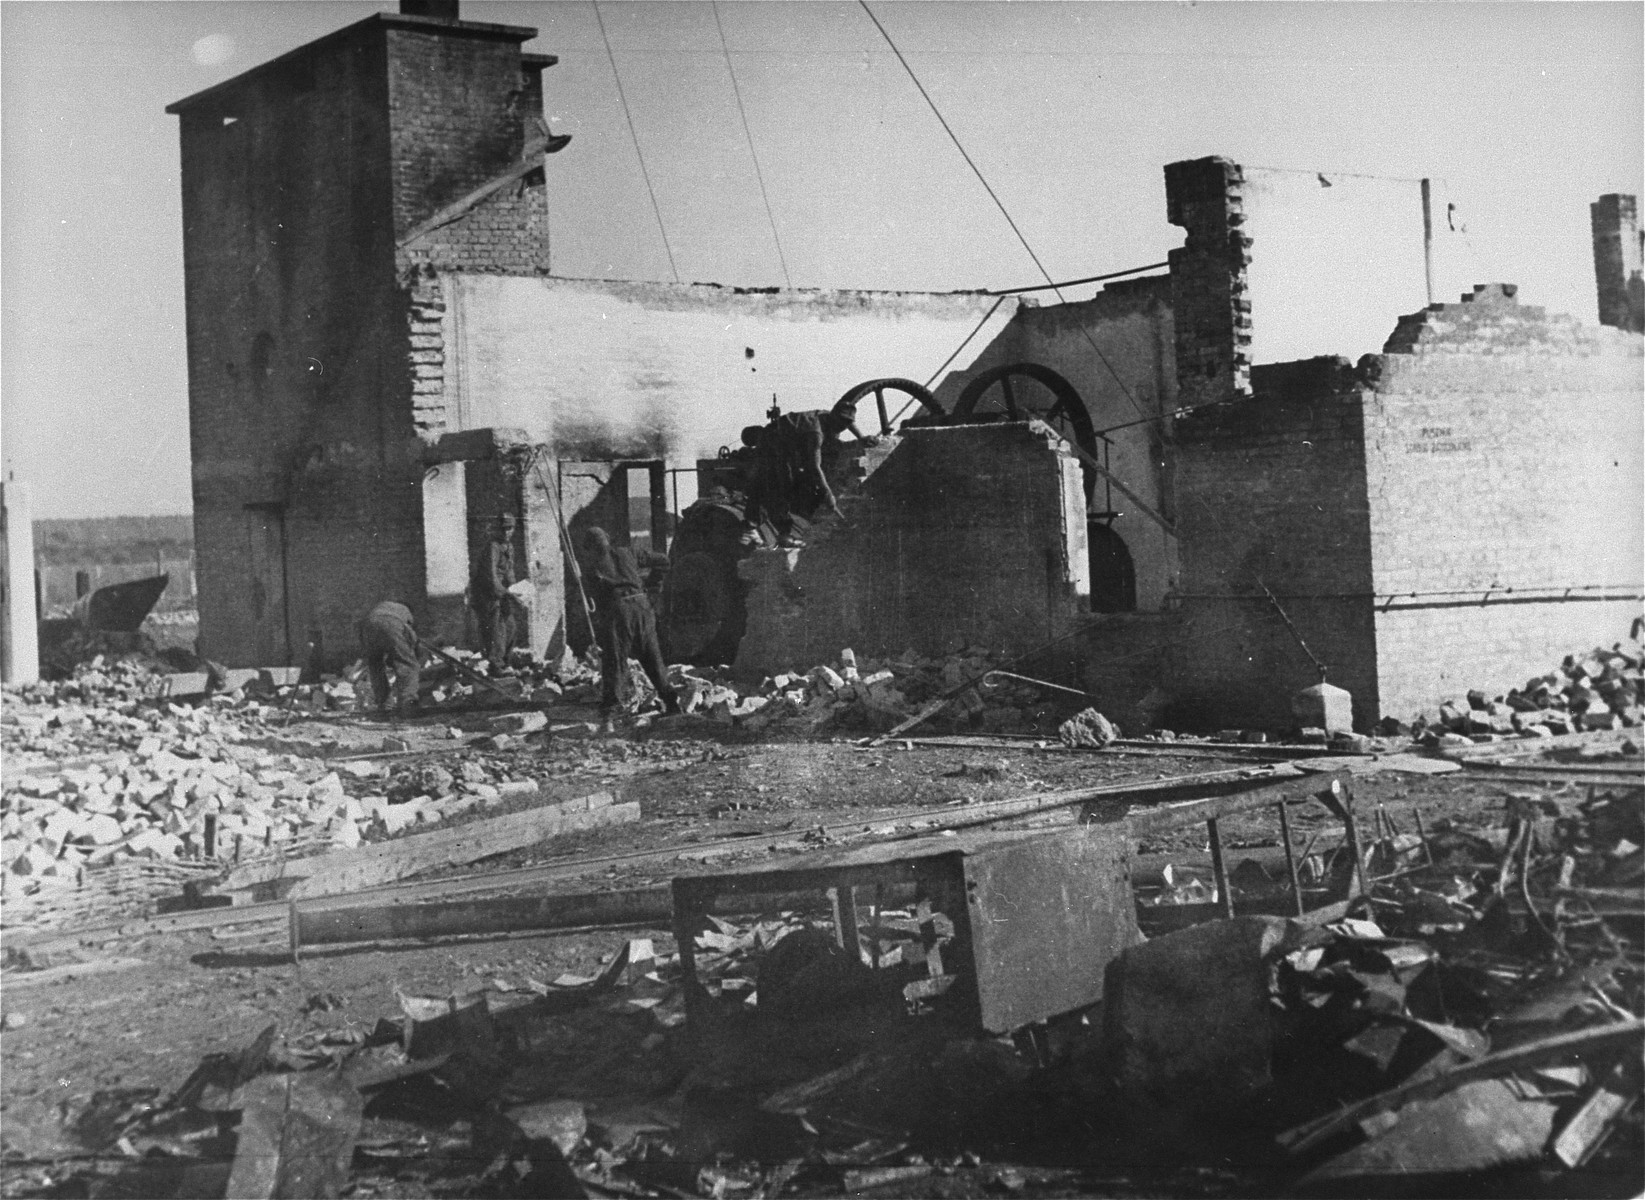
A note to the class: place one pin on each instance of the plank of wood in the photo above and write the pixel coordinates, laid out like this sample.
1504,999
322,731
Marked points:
652,906
68,971
1257,793
928,819
508,914
1556,773
1521,747
1591,1123
387,862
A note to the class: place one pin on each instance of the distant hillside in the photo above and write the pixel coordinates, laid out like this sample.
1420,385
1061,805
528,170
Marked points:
113,539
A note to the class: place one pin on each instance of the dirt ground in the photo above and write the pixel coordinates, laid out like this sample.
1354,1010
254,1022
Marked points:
171,998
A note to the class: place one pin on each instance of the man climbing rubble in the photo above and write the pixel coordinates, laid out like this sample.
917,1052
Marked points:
624,624
494,573
388,639
788,476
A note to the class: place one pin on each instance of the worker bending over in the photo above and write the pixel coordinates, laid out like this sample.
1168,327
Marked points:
788,477
389,640
624,624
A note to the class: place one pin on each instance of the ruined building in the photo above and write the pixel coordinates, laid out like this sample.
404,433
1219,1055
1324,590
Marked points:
380,360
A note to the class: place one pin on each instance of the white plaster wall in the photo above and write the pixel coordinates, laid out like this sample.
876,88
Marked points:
445,530
610,370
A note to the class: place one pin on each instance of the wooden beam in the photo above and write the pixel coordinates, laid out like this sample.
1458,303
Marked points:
927,820
388,862
531,159
1259,794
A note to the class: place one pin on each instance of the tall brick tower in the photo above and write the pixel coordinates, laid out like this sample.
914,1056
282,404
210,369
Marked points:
1618,248
310,183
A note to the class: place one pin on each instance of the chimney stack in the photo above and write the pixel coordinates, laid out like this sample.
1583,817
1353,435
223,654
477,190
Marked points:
440,10
1617,254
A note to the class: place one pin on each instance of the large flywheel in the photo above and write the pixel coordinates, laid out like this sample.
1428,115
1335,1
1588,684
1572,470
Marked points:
1023,391
879,387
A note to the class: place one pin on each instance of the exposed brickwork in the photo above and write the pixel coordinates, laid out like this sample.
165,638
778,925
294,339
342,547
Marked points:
1434,654
959,537
1491,322
505,234
1271,493
1209,301
315,358
426,360
1618,251
458,115
1504,481
1461,513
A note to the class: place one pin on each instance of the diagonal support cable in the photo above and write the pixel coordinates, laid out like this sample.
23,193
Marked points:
638,153
758,174
998,203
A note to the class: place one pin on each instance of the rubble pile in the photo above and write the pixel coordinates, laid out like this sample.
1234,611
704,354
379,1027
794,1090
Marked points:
101,773
1366,1048
872,694
579,1085
1604,689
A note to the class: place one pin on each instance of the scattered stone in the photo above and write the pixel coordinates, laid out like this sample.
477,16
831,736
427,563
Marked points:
1087,728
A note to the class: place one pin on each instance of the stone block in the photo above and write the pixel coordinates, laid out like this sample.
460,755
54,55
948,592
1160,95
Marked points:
1188,1019
521,723
186,685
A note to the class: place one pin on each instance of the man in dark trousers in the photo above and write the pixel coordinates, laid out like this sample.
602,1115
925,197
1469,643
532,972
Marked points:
624,624
789,479
493,575
388,639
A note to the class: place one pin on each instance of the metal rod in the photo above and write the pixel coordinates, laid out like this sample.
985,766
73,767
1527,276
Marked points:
844,902
1354,849
210,836
1219,870
1036,682
1290,855
1428,239
874,924
464,669
1286,617
1422,835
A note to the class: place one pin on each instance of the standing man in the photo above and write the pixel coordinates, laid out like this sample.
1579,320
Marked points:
388,639
624,624
493,575
789,479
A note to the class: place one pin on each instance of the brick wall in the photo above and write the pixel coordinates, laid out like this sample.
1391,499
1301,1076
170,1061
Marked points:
966,535
1504,475
1618,250
505,234
306,345
1209,301
305,471
458,107
1271,492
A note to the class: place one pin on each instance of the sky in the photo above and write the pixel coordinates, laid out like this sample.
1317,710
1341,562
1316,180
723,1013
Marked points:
1525,113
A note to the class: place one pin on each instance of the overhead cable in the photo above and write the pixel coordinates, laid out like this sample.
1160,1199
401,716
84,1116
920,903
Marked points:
1041,287
638,153
997,202
758,175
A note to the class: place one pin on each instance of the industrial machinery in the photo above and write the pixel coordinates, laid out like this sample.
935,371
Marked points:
703,613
